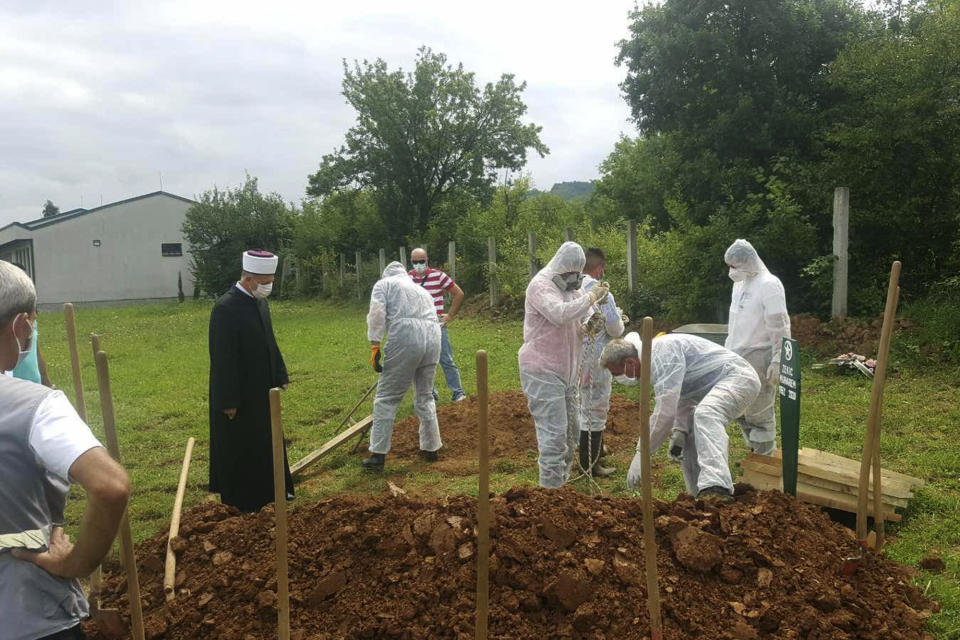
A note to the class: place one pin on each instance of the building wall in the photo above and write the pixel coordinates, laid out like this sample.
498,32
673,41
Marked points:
127,265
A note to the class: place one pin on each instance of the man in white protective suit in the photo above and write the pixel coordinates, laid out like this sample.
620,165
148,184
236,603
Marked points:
605,321
404,312
758,323
699,388
554,309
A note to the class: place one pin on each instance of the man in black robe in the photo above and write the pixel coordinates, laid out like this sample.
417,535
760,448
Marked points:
245,363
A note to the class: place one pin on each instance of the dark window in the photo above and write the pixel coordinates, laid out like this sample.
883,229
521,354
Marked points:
171,249
96,243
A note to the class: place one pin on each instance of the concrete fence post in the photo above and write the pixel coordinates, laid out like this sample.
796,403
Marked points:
403,257
452,260
568,234
532,252
632,256
359,279
841,255
492,264
343,268
383,261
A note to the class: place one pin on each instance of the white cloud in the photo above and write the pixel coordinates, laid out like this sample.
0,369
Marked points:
99,98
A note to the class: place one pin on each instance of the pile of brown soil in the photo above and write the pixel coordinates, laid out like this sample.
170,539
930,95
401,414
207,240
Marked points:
857,335
563,565
510,428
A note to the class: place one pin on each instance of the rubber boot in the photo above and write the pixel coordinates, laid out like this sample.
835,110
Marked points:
715,495
429,456
596,446
374,462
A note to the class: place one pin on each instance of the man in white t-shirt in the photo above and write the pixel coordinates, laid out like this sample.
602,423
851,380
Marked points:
44,446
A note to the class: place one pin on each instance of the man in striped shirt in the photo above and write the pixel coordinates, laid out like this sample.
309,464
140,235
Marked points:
436,282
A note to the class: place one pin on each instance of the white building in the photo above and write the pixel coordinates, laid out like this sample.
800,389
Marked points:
127,250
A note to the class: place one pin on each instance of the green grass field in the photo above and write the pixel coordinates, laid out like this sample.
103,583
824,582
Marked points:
159,367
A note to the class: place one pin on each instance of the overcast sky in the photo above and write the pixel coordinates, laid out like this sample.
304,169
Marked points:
98,98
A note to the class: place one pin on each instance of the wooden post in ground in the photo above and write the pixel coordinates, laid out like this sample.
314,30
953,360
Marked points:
70,320
871,446
95,343
532,253
126,537
483,502
403,257
96,578
841,256
632,256
492,266
879,523
170,567
280,512
649,532
452,260
383,261
359,279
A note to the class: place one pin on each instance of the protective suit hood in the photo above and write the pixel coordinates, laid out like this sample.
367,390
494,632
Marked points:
741,255
569,257
394,269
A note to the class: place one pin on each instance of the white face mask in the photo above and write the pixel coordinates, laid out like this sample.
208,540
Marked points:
420,268
738,274
263,290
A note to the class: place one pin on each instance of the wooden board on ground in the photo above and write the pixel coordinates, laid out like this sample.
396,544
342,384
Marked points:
829,480
332,444
814,495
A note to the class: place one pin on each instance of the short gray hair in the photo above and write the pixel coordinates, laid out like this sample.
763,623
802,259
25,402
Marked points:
616,351
17,293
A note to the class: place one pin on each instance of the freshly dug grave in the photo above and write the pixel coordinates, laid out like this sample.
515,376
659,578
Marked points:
510,427
563,565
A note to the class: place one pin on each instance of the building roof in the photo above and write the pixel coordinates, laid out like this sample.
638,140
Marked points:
74,213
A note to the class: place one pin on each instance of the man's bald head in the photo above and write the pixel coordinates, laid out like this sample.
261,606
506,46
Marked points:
418,254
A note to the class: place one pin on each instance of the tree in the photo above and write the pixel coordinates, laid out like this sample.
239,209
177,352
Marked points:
421,136
50,209
896,143
224,224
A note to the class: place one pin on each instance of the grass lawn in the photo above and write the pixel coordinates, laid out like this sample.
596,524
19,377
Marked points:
159,368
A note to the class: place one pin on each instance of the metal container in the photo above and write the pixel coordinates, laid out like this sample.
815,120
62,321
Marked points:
712,332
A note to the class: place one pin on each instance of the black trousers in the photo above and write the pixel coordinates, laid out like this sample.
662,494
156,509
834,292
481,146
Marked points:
73,633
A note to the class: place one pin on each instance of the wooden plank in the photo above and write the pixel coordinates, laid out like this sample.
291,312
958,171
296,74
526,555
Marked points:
822,483
813,495
846,463
332,444
828,478
839,469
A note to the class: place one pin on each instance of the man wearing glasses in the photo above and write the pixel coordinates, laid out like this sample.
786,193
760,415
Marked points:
436,282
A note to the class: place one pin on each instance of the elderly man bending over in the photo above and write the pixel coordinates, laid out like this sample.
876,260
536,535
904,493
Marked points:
700,387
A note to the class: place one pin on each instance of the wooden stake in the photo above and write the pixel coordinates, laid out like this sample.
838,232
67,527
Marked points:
871,446
96,578
280,512
649,533
126,537
170,567
78,402
95,343
880,524
483,503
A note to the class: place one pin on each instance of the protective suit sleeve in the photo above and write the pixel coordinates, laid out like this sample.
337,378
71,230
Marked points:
377,315
667,370
775,316
614,325
549,302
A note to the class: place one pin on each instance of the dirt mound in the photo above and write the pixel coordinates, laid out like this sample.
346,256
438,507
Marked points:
563,565
832,338
510,427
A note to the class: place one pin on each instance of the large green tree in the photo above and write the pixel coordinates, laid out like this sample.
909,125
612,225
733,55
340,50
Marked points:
421,136
225,223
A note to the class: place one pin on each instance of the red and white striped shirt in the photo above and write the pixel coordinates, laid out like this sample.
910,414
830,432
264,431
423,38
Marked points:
435,282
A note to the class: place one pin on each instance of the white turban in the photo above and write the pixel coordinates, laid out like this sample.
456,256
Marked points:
260,263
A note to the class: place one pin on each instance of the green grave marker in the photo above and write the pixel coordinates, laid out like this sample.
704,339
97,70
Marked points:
790,412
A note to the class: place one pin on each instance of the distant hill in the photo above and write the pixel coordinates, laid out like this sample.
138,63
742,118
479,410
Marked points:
572,190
